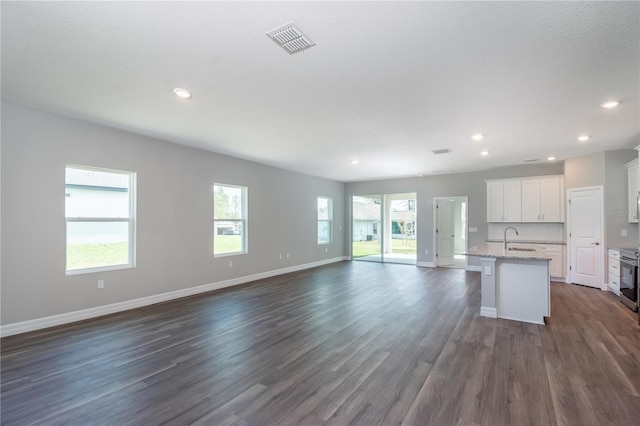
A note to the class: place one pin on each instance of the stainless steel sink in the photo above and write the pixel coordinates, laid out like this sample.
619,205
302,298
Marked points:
521,249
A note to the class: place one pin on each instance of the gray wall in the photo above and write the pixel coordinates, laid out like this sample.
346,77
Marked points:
606,169
174,215
584,171
615,200
460,184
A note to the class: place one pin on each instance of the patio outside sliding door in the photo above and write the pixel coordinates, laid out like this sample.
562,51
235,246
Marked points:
399,244
366,241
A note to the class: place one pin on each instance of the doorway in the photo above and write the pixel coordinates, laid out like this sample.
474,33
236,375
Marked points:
586,236
384,228
450,215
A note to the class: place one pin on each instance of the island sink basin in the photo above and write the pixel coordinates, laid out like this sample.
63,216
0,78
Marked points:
521,249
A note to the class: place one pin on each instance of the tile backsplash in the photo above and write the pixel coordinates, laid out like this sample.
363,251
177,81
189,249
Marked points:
528,231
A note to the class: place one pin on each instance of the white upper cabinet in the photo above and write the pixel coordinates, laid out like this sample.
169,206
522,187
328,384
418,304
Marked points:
633,174
504,200
543,199
535,199
531,200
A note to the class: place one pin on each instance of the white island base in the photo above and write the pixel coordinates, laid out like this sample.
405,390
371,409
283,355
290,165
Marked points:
515,288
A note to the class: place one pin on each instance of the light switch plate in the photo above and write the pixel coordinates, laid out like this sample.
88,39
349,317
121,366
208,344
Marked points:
473,229
487,270
623,232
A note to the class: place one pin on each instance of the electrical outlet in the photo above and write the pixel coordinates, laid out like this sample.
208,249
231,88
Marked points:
280,256
623,232
100,283
340,228
426,251
230,264
326,250
287,255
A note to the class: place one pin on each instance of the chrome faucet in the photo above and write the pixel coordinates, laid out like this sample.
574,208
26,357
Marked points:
505,235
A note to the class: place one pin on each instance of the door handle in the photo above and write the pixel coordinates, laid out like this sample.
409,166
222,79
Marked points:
597,244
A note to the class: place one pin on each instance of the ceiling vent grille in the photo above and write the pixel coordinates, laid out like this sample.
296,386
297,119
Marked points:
533,160
441,151
290,38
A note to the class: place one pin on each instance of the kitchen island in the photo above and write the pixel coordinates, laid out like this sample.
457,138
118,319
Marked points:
515,283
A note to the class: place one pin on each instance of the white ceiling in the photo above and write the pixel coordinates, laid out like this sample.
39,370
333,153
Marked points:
386,83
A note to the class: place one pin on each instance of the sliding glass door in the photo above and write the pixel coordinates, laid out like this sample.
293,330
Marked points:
366,242
384,228
400,244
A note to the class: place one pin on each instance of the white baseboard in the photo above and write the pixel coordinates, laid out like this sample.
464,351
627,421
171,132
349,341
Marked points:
476,268
425,264
488,312
54,320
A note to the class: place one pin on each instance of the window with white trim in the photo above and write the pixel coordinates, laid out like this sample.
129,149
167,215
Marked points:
229,219
325,216
100,216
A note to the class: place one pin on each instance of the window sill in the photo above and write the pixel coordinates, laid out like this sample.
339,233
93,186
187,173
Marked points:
235,253
98,269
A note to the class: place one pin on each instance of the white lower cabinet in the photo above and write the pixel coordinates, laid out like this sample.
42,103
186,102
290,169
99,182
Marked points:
556,253
614,271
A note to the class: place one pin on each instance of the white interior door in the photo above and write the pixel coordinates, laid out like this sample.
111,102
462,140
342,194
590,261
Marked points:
586,237
445,234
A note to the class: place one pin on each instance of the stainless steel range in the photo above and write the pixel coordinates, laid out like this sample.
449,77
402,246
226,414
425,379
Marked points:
629,278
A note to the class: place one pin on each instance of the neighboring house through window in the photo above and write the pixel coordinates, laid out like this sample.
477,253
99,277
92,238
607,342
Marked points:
229,219
100,216
325,216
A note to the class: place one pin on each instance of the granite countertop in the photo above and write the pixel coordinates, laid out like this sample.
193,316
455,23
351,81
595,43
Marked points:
561,243
501,253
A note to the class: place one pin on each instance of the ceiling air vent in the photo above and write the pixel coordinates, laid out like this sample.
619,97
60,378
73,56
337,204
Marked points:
533,160
441,151
290,38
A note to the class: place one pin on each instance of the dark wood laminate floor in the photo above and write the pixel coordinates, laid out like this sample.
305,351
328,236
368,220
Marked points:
348,343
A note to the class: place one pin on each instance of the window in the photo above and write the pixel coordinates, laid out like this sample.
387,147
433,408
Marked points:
325,215
229,219
100,214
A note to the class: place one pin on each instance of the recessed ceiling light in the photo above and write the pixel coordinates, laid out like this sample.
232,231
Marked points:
484,153
551,158
477,137
610,104
583,138
182,93
354,162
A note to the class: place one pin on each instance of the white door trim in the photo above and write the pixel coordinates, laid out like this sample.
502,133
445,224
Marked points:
600,188
434,246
